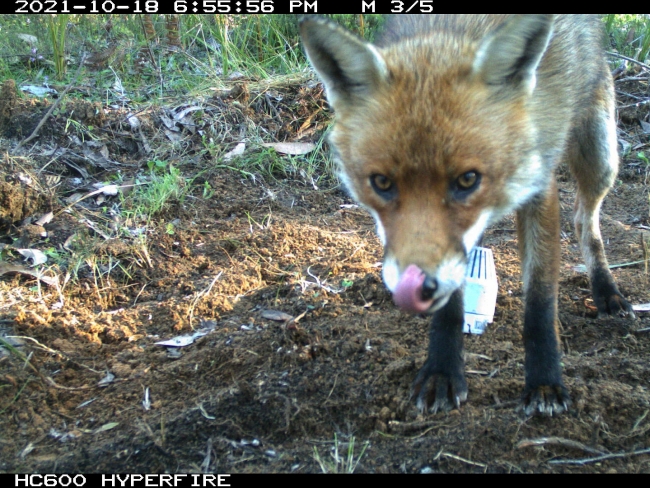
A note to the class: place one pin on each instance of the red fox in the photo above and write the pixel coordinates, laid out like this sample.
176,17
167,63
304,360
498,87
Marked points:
448,123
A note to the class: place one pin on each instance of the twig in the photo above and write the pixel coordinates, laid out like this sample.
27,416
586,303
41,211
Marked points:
54,105
200,295
601,458
463,460
558,441
631,60
422,427
635,105
93,193
15,398
26,361
54,352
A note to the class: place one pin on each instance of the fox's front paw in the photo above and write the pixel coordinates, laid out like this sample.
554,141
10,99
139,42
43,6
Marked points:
546,400
435,392
608,300
616,305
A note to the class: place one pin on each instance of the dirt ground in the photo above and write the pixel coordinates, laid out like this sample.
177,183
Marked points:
86,389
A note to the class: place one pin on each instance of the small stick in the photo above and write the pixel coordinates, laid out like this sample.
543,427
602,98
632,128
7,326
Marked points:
93,193
199,296
463,460
631,60
601,458
559,441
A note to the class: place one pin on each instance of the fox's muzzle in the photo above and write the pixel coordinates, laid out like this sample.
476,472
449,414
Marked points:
417,293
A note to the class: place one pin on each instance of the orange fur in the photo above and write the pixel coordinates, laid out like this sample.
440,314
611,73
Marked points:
452,121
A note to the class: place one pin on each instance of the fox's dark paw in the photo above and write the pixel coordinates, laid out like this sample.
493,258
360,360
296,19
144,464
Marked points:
608,300
546,400
437,392
614,304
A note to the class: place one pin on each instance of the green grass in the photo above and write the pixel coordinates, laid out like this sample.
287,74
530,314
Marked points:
342,458
630,34
164,186
214,47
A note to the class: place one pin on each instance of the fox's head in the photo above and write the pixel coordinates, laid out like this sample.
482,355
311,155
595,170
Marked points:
436,137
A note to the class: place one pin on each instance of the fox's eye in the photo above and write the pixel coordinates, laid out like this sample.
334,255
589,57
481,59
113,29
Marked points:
383,185
467,183
468,180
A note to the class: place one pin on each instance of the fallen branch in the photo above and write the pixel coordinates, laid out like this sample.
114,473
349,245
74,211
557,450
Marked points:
601,458
631,60
558,441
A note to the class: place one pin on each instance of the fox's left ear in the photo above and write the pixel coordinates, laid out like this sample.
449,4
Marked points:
351,68
511,55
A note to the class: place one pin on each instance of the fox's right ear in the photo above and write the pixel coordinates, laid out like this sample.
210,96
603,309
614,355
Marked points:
351,68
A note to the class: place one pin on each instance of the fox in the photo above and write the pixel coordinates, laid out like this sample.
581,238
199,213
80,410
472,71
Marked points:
446,124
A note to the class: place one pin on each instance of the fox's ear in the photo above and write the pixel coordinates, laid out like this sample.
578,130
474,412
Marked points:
351,68
511,55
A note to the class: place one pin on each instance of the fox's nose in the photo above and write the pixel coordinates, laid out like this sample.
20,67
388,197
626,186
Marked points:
429,289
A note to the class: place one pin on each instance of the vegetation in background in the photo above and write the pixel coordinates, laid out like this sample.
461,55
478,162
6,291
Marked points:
212,47
630,34
166,59
56,28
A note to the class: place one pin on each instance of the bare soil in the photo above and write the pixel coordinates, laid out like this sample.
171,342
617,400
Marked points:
260,395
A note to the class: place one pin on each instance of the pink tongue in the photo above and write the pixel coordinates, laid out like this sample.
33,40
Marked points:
408,294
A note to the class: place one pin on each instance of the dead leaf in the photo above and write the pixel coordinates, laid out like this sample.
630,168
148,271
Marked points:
28,38
105,427
292,148
96,147
276,316
97,153
109,190
186,340
168,122
12,268
45,219
173,136
645,127
38,91
68,242
238,151
183,112
35,255
133,121
106,380
74,198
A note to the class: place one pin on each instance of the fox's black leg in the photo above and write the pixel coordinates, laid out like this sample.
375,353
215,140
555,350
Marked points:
440,384
539,242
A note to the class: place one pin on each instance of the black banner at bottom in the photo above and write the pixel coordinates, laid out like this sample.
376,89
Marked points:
119,480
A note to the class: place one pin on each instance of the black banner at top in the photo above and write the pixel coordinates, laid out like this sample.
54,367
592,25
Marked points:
219,7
